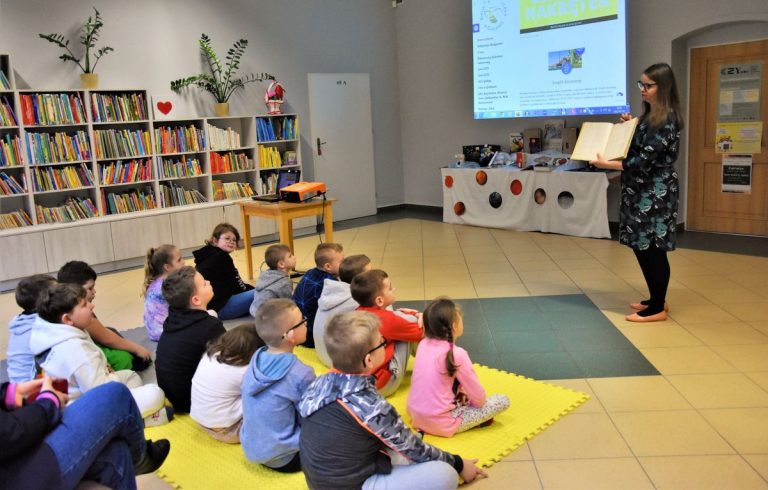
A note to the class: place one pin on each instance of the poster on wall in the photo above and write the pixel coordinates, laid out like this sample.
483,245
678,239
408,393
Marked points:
738,137
737,173
740,92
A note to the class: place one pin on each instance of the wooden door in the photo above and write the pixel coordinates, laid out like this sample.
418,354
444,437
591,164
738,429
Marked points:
709,208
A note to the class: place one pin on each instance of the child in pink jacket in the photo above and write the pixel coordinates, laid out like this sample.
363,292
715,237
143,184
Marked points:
446,397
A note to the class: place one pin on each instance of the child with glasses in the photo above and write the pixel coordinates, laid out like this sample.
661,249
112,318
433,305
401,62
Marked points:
374,291
351,437
272,387
232,297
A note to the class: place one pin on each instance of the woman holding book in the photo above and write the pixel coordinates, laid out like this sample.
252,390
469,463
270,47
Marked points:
650,188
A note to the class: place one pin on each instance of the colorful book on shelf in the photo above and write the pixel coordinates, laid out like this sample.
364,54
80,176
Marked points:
231,190
57,147
120,172
177,195
113,143
130,201
269,157
53,178
223,139
4,83
189,167
10,186
230,162
15,219
73,209
179,139
118,107
10,151
51,109
7,114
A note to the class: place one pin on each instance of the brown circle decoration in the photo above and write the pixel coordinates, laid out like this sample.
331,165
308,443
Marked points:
516,187
481,177
459,208
448,181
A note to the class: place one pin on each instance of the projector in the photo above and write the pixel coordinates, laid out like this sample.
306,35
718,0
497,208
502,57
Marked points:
302,191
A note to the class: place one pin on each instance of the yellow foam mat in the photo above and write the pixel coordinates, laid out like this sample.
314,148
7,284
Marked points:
198,461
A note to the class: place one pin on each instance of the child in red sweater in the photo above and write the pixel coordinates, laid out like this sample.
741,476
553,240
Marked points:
374,292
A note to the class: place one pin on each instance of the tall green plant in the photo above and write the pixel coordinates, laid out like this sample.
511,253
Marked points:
222,81
89,34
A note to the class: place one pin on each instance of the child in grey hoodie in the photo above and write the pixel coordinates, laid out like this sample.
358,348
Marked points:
272,387
274,282
21,360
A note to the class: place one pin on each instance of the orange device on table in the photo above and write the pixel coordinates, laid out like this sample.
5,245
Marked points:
302,191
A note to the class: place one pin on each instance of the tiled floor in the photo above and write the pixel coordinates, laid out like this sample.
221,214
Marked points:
701,423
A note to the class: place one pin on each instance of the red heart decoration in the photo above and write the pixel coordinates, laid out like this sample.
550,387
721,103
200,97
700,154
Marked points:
164,107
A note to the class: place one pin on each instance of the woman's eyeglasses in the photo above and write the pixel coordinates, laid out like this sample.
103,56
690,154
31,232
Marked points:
382,344
302,322
646,86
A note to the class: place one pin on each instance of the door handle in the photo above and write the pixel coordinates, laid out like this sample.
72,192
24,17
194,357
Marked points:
320,146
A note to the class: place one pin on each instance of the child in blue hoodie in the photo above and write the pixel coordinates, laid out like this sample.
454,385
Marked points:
272,387
21,360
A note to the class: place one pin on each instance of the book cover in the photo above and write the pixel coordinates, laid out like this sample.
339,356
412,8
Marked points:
611,140
553,134
516,142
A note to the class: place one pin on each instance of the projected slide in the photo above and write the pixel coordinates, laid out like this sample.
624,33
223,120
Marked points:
549,57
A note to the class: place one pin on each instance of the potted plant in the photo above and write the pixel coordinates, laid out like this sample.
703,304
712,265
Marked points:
222,82
89,34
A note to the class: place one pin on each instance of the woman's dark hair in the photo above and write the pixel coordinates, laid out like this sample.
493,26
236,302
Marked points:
220,229
667,98
439,318
236,346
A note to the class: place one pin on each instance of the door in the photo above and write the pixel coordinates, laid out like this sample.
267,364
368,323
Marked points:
709,208
342,139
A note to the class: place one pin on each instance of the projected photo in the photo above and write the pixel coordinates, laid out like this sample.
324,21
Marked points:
566,60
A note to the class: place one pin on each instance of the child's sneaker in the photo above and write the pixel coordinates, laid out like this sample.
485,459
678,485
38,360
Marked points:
154,457
162,416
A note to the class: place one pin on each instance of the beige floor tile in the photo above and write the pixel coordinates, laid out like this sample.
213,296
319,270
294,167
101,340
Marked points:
736,296
667,433
754,311
589,266
761,325
685,314
661,334
448,280
759,462
410,294
490,278
592,405
616,300
501,291
546,288
457,292
533,264
523,453
593,474
508,475
580,436
609,285
761,378
745,357
543,275
497,267
686,360
677,297
152,482
744,428
701,472
733,390
639,393
726,333
700,282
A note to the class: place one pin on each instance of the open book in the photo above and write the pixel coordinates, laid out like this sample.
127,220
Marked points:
612,140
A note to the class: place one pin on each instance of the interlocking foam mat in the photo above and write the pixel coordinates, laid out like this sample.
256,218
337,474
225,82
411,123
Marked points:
198,461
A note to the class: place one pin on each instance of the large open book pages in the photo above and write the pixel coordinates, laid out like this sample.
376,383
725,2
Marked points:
612,140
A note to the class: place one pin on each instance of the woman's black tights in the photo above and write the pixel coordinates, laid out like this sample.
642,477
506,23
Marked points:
655,266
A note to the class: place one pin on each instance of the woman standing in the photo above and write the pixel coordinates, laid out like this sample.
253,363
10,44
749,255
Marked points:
649,187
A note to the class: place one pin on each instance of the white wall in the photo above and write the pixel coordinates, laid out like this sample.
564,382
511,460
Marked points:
156,42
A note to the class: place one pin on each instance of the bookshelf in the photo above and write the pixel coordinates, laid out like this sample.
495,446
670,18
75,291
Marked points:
277,147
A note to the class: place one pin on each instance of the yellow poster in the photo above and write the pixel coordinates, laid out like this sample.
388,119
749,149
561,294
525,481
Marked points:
738,137
538,15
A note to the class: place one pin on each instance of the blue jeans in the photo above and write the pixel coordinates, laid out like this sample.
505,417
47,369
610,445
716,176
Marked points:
431,474
100,438
237,306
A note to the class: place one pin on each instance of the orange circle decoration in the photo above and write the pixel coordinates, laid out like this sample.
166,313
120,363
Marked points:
448,181
459,208
481,177
516,187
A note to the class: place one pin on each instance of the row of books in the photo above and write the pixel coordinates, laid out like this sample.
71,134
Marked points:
56,178
269,157
128,202
276,128
57,147
189,167
269,183
4,83
7,115
15,219
118,107
231,190
230,162
10,186
116,143
176,195
120,172
49,109
223,139
10,151
73,209
179,139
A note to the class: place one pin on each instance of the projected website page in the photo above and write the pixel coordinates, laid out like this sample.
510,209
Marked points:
549,57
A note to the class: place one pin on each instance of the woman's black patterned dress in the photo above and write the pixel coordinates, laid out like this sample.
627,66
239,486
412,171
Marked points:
650,189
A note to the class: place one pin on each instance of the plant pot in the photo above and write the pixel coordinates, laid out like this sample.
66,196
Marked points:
221,109
89,81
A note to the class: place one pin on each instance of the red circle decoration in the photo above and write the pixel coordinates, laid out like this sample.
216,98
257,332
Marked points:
516,187
481,177
459,208
448,181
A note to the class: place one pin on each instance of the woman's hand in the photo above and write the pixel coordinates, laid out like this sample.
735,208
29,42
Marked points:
625,117
28,387
601,162
471,471
48,386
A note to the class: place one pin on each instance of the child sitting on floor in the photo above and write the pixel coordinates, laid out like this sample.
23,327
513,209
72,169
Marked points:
328,257
446,396
186,333
121,353
21,360
272,388
65,350
161,261
337,298
274,282
349,431
375,293
216,402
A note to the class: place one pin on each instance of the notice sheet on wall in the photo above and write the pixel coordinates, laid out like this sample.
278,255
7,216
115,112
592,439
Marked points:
737,173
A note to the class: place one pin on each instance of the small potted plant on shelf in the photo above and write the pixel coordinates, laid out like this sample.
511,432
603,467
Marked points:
222,81
89,34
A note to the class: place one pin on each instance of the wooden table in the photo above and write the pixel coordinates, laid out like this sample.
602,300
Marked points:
284,213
